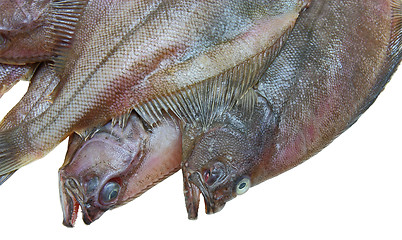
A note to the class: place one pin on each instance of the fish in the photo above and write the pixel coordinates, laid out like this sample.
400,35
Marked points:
218,162
150,60
11,74
33,31
116,165
36,100
314,90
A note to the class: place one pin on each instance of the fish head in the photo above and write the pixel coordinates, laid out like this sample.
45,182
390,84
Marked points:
23,34
115,165
224,160
214,170
96,168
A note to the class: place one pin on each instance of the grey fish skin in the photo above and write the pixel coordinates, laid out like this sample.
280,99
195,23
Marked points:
116,165
315,89
218,161
92,90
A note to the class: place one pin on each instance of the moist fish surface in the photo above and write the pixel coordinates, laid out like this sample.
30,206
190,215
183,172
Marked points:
115,165
11,74
36,100
29,32
151,59
315,89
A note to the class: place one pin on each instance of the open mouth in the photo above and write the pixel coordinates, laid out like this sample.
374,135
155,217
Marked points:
194,186
72,198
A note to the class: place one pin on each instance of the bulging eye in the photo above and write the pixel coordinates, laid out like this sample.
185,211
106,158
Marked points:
110,192
243,185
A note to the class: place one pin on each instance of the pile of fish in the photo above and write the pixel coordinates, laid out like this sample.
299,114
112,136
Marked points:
232,92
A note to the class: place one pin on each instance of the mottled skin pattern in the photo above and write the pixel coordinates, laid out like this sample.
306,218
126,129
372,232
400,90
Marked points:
36,100
23,31
150,41
222,156
115,165
316,88
11,74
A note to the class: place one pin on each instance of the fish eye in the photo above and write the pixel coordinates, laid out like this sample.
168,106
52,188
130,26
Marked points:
110,192
243,185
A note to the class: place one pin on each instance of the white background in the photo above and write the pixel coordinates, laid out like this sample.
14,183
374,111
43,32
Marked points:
350,190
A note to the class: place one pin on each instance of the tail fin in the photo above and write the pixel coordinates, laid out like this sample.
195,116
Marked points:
5,177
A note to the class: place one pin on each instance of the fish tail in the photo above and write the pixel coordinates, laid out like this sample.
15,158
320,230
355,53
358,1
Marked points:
5,177
14,151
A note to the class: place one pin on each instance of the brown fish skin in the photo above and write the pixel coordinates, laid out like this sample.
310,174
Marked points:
11,74
23,31
315,89
36,100
116,165
219,162
156,46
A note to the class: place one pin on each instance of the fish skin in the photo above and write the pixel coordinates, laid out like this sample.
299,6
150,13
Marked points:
23,31
220,157
315,89
133,158
36,100
11,74
93,90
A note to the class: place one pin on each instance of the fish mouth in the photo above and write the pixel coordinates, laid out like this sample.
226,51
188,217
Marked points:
193,187
72,198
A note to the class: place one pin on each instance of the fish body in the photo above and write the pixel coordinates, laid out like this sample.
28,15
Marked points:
11,74
218,161
149,60
116,165
23,31
36,100
315,89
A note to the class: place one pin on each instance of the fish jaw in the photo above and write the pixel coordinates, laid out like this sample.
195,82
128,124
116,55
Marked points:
132,157
102,158
69,203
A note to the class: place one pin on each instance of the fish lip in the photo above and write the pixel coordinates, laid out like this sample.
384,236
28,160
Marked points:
70,204
211,206
72,198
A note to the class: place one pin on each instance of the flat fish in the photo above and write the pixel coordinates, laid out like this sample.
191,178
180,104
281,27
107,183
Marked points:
36,100
218,161
151,59
116,165
33,31
315,89
11,74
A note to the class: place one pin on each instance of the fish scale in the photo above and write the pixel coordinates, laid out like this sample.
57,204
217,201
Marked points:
100,80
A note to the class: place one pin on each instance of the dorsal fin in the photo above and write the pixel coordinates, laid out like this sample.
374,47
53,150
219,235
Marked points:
209,84
64,16
396,29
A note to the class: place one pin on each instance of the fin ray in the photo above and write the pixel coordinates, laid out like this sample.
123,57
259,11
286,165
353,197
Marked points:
64,17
